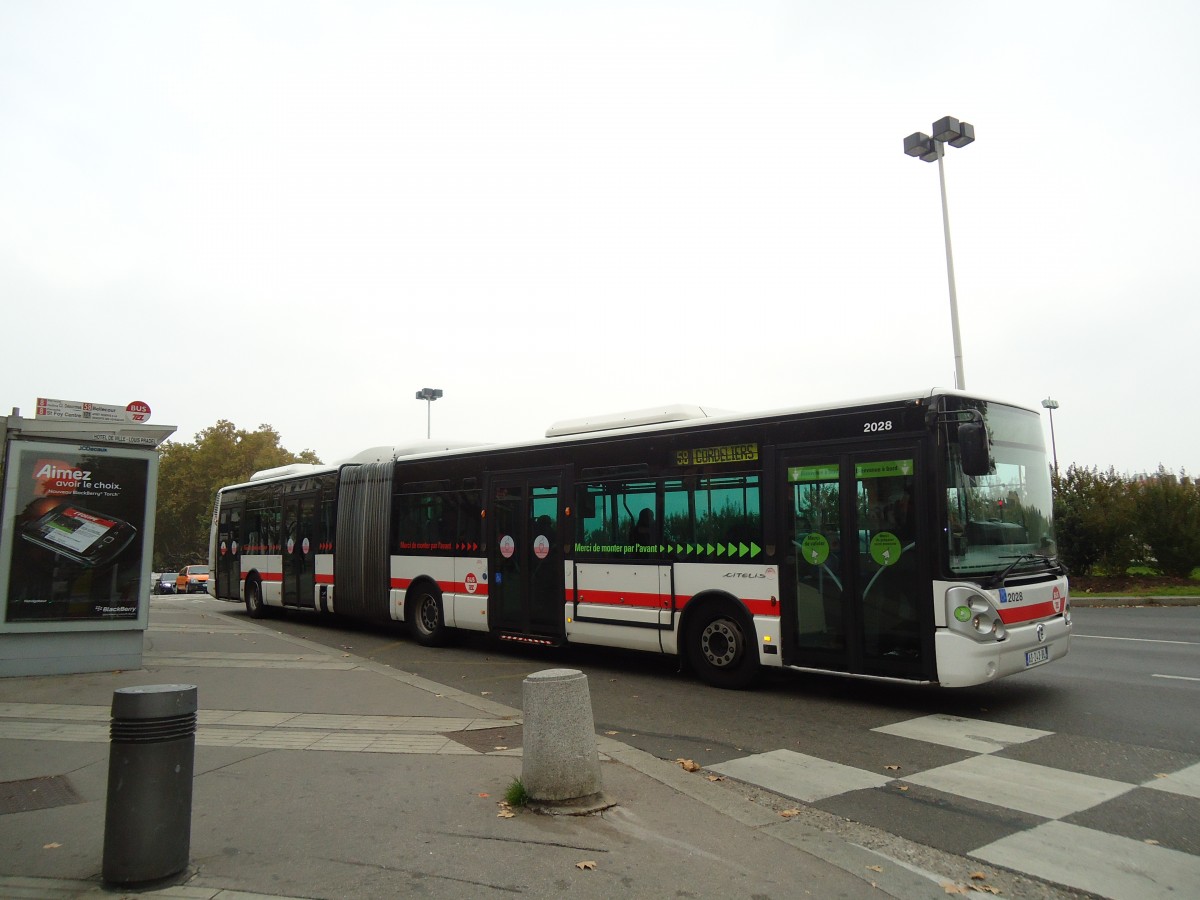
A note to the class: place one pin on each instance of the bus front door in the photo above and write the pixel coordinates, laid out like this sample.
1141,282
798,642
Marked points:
228,572
525,555
299,549
857,590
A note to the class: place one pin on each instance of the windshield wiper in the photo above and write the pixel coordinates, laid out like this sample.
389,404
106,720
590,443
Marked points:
999,579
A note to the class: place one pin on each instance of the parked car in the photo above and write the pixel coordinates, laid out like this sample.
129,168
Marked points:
192,580
163,583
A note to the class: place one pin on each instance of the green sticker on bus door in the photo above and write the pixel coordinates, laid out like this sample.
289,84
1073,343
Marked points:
885,548
814,548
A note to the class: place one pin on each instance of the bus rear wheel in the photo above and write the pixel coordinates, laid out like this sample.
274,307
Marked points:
255,607
426,622
718,650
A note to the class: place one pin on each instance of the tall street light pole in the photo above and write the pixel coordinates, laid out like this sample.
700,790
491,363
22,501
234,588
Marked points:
428,395
1051,406
947,130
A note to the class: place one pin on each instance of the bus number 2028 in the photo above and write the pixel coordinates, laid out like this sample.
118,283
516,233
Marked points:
871,427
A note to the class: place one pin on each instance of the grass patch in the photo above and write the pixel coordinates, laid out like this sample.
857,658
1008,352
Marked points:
516,795
1134,584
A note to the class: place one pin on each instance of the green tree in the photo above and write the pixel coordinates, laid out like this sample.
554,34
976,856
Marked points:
1167,510
1094,520
189,476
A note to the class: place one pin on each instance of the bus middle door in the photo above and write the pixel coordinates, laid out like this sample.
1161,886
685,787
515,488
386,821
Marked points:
525,555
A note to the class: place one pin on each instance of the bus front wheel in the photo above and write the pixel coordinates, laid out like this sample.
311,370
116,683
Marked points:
426,622
255,607
719,651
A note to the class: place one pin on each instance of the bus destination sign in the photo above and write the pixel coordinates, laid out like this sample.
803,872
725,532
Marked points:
706,456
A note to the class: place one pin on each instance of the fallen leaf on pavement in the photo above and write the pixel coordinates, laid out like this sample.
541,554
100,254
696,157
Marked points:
1151,841
892,768
715,777
950,888
978,876
875,868
789,813
505,814
689,765
52,846
612,732
587,864
499,748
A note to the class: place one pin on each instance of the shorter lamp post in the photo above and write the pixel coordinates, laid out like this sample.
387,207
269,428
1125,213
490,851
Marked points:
428,395
1051,406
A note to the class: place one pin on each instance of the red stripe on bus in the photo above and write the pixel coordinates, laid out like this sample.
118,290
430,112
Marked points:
621,598
456,587
1012,615
658,601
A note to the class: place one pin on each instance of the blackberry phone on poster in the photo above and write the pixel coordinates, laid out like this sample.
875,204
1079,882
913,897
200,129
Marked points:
81,535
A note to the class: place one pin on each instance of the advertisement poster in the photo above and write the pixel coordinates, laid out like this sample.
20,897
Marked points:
77,520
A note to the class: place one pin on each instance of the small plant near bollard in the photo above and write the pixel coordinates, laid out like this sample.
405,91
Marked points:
516,796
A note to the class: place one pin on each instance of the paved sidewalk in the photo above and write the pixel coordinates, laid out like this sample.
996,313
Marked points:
323,775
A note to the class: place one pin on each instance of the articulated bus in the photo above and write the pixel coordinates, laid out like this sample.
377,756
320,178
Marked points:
905,537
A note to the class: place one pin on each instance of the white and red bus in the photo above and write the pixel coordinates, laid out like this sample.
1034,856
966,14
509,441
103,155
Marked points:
906,537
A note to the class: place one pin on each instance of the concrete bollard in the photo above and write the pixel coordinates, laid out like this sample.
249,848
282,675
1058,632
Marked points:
560,766
148,811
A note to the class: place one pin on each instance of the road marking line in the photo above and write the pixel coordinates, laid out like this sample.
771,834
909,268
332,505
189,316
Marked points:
1177,677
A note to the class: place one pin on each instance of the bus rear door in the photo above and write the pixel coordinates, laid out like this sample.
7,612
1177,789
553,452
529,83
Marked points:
228,566
299,549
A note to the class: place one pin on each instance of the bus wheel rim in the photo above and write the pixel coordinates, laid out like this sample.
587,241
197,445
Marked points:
720,643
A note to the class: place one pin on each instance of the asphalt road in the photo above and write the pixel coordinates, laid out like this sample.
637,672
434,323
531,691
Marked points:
1132,677
1123,707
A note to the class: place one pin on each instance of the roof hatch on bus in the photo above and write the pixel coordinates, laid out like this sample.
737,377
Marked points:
656,415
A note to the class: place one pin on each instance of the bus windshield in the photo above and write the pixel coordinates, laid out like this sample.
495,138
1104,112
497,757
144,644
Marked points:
1006,517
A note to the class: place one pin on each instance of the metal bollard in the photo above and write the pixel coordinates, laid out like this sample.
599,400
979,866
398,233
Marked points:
148,813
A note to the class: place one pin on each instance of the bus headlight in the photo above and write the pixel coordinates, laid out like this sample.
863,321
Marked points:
972,613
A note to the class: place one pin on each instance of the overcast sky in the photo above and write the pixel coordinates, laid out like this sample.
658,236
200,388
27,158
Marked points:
301,213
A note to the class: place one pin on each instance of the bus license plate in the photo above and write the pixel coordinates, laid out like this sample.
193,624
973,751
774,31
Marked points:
1040,655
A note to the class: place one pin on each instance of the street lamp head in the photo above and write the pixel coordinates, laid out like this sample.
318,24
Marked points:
919,144
429,393
947,130
1049,404
953,132
966,134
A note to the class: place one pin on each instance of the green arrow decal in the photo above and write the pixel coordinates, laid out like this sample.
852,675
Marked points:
754,549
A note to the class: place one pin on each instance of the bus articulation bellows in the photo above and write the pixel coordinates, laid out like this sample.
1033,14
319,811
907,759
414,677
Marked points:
906,537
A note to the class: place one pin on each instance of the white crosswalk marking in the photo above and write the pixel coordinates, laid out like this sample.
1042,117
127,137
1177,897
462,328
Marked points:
1040,790
796,775
1085,858
1104,864
962,734
1185,781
